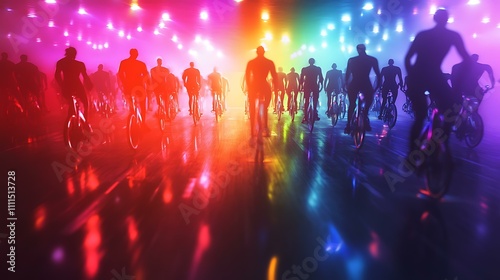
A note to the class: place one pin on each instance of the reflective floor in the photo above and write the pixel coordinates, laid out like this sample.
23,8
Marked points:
198,202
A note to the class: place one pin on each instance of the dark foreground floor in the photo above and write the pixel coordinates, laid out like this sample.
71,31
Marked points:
193,203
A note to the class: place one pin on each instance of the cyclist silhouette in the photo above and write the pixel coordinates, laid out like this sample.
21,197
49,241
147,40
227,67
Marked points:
292,85
215,83
191,78
389,74
28,79
67,75
159,80
102,82
360,67
280,88
430,48
311,81
133,75
466,80
259,88
333,83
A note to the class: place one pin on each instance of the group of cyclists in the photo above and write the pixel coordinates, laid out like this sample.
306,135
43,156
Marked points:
21,82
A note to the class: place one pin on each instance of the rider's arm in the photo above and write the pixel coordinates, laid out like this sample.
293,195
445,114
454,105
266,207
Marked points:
301,80
490,74
320,79
86,79
274,75
400,76
377,73
58,75
459,45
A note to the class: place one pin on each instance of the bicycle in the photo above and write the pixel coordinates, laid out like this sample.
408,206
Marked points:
310,113
376,105
105,107
279,107
293,106
358,118
334,109
389,112
163,116
408,106
469,124
436,163
196,110
135,124
217,106
77,130
342,104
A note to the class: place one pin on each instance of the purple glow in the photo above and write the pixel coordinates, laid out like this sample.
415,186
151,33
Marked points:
58,255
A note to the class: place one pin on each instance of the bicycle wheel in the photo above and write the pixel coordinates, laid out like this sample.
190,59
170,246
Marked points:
278,107
343,109
217,113
196,111
162,115
73,133
311,118
439,167
474,130
172,110
334,114
391,115
358,132
134,131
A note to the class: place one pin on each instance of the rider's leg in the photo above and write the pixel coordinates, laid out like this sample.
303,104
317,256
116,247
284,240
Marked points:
315,103
307,93
267,102
352,93
415,93
385,91
329,102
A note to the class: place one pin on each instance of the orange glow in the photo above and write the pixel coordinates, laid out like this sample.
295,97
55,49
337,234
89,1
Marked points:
271,270
202,245
70,186
189,189
132,229
91,246
40,215
167,191
91,178
265,16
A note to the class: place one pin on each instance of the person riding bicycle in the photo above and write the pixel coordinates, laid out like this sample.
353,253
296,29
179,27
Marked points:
67,75
465,79
360,67
389,74
292,87
102,83
259,89
430,48
191,79
333,83
28,80
133,75
159,80
279,90
173,87
311,82
215,83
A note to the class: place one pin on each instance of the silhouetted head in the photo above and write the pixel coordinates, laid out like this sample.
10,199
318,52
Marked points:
441,17
23,58
260,51
391,61
334,66
99,67
215,69
4,55
280,69
191,64
474,57
159,61
292,69
361,48
134,53
311,61
70,52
